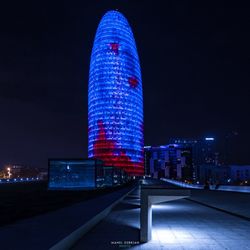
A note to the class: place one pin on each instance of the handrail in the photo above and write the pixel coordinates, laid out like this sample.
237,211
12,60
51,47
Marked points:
242,189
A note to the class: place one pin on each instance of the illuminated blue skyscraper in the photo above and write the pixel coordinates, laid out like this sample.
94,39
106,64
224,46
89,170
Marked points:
115,101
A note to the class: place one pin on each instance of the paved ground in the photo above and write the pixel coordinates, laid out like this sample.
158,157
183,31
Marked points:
234,202
180,224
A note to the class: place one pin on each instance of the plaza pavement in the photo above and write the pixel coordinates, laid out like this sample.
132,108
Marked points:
233,202
180,224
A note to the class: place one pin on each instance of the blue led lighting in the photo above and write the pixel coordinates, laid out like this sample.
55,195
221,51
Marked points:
115,101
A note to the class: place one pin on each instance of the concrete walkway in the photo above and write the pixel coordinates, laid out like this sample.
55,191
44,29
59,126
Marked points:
180,224
233,202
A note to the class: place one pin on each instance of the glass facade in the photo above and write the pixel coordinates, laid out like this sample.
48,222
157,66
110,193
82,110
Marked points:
115,101
83,174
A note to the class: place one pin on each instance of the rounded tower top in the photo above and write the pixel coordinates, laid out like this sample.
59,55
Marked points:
115,27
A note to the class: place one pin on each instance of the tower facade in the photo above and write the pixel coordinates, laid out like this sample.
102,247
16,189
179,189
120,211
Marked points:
115,100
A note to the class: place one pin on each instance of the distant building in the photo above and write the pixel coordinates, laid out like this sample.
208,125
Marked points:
239,174
76,174
208,152
155,158
213,174
203,152
171,161
115,97
226,174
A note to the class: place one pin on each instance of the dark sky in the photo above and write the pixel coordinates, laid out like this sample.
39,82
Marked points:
195,66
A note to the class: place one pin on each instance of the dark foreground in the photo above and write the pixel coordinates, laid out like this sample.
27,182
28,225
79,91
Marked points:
24,200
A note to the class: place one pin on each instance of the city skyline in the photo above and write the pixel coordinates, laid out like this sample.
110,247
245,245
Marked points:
194,59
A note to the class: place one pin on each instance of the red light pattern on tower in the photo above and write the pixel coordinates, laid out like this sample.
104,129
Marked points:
115,98
133,81
107,151
115,47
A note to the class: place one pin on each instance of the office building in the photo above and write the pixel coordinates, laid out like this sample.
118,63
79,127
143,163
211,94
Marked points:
172,161
115,101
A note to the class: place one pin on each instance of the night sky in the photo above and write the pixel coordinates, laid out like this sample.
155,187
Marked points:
195,69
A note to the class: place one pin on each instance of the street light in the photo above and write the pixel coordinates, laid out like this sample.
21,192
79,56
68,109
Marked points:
9,173
209,138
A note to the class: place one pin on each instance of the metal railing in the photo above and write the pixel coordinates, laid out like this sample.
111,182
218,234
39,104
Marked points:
242,189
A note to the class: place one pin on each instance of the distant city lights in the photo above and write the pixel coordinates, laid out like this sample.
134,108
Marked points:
209,138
